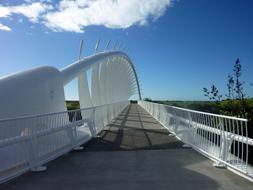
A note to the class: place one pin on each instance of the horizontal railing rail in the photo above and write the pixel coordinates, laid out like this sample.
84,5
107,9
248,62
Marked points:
222,138
31,141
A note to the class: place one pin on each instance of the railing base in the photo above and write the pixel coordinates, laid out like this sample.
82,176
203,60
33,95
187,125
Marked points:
186,146
219,165
39,169
78,148
218,127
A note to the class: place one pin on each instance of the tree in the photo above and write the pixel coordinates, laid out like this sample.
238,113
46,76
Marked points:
213,94
147,99
234,86
238,84
230,86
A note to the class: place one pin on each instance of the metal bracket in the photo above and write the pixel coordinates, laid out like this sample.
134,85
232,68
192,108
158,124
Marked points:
226,142
186,146
39,169
219,165
78,148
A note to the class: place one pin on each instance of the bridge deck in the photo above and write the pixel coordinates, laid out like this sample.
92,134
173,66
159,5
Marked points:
133,152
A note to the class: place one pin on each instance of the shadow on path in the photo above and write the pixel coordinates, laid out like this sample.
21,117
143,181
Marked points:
133,129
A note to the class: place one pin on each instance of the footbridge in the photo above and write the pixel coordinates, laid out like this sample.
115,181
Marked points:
111,143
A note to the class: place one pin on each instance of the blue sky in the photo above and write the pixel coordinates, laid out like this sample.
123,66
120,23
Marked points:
178,47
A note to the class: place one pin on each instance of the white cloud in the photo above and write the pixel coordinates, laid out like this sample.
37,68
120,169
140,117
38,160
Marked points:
4,12
30,1
75,15
32,11
4,28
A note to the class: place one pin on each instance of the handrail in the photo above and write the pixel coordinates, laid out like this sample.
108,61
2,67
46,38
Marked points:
31,141
54,113
222,138
207,113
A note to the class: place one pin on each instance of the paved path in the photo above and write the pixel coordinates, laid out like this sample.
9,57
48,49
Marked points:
134,152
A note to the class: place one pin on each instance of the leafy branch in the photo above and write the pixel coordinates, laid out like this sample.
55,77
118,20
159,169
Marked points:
213,94
238,84
230,86
234,86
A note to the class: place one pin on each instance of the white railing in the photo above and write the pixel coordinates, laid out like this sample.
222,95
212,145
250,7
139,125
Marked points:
221,138
27,143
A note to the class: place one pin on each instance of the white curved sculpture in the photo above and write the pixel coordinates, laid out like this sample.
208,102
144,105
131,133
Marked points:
113,78
32,92
35,126
40,90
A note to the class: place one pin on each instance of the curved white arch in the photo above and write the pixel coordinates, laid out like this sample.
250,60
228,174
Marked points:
113,78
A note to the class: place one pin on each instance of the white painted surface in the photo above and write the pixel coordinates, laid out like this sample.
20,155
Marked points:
83,91
32,92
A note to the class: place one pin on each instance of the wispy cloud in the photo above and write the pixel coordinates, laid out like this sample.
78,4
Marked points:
75,15
4,11
33,11
4,27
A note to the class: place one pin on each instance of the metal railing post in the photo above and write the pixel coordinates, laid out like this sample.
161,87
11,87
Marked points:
225,144
91,123
222,138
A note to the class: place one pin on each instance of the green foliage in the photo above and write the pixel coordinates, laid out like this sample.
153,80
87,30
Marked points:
230,86
147,99
236,104
72,105
238,84
226,107
205,106
213,94
237,108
